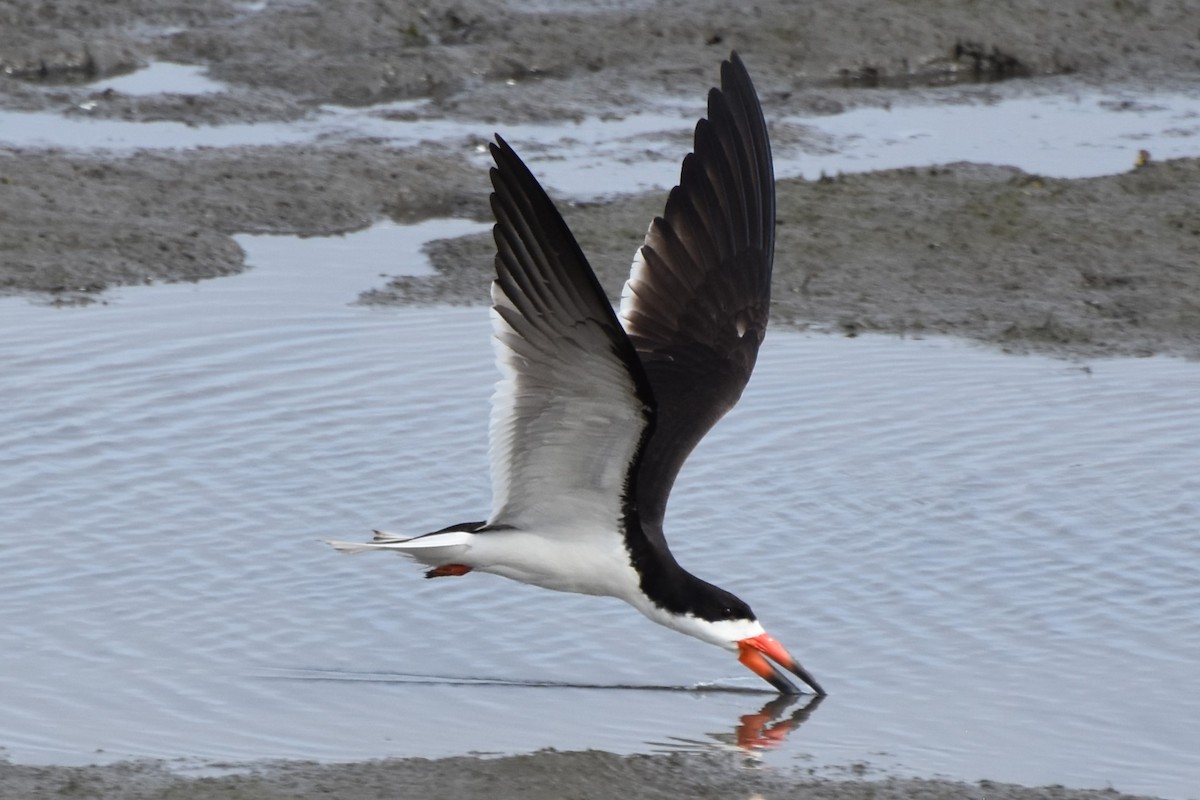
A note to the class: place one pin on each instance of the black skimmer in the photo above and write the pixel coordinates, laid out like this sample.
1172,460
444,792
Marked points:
597,410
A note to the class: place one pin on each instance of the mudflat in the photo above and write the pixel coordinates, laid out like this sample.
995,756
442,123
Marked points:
547,775
1079,267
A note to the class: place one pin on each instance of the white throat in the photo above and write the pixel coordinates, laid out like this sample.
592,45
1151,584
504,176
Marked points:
724,633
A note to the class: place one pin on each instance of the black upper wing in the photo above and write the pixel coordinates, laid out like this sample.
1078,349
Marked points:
697,301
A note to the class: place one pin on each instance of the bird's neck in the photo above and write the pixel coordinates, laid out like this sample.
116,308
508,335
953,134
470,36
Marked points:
666,584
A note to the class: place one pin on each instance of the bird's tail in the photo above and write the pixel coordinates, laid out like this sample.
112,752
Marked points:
381,541
433,548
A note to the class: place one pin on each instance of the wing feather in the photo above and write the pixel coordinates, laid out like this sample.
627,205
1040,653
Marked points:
589,402
573,404
698,296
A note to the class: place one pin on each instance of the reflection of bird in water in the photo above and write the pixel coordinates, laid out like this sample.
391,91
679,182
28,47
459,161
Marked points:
596,413
758,731
765,728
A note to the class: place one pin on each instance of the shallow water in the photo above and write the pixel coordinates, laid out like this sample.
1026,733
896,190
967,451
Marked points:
989,561
1068,134
162,76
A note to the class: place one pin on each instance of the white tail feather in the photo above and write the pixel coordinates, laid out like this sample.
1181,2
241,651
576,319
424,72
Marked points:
434,549
351,548
381,541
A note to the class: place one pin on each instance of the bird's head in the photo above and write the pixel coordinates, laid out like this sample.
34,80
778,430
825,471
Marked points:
726,621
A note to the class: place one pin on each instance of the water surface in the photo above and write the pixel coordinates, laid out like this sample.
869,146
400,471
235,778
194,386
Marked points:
990,562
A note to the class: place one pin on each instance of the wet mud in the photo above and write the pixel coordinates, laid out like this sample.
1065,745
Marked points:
547,775
1100,266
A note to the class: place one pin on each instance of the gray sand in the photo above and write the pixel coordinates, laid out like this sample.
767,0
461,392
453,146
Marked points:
1103,266
546,775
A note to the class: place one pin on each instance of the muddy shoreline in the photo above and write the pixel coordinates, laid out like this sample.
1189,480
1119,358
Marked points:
547,774
1093,267
1103,266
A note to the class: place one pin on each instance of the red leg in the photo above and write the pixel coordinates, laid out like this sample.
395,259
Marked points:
448,570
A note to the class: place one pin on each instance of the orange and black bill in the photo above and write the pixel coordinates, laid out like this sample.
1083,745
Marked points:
758,652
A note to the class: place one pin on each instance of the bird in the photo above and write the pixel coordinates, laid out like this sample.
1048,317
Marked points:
597,408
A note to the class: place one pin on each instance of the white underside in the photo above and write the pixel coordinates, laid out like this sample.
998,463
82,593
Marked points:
584,561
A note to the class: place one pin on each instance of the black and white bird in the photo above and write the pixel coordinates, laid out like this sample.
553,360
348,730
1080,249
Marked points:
597,410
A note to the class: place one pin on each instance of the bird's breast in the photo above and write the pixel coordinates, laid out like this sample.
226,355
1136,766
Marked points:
563,558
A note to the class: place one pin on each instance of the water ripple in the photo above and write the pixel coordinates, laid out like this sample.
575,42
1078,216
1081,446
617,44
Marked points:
977,554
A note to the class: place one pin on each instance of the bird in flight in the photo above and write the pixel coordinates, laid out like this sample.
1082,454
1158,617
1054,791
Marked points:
597,409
